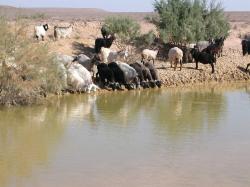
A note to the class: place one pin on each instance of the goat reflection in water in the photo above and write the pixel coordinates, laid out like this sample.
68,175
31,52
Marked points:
188,110
119,108
166,109
37,133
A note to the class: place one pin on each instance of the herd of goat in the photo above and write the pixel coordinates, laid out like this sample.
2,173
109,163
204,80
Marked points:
112,73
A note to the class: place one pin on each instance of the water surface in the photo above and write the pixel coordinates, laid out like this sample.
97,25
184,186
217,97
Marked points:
183,137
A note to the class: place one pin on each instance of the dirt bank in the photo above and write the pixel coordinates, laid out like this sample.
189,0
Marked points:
229,68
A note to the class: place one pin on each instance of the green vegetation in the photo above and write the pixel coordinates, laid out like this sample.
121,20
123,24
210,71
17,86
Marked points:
189,20
38,16
126,29
145,40
35,16
27,71
127,32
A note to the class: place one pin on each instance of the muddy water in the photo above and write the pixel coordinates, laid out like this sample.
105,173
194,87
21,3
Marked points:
194,137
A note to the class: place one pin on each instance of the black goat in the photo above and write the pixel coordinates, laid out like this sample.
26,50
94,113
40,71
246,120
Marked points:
124,75
220,43
103,42
131,76
245,47
212,49
149,78
215,48
144,75
138,69
154,73
106,75
118,73
203,58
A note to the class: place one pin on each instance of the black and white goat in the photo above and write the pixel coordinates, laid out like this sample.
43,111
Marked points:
104,42
40,31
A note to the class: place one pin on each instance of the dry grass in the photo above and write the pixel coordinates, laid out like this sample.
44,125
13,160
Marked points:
27,71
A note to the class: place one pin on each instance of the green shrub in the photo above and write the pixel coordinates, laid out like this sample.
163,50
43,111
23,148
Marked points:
38,16
28,71
145,40
35,16
189,21
126,29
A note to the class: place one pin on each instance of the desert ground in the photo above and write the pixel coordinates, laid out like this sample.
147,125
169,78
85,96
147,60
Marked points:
86,28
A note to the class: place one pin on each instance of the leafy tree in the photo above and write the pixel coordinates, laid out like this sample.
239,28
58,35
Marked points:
189,20
145,40
216,24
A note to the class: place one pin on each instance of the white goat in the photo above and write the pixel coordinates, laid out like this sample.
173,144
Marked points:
62,32
108,55
148,54
89,63
40,31
66,60
175,55
79,78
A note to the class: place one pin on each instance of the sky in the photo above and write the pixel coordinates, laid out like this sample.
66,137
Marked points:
114,5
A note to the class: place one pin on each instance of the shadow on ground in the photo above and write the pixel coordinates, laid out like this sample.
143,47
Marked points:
243,69
80,48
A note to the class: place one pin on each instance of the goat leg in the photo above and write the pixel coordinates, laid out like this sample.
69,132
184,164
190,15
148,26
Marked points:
212,65
247,66
196,62
175,65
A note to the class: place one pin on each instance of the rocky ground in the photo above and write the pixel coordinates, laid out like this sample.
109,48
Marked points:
229,68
